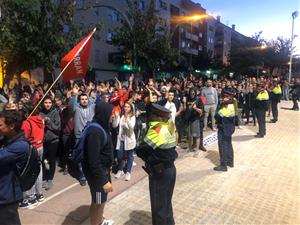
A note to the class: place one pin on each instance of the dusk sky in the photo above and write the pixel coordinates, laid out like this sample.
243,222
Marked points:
273,17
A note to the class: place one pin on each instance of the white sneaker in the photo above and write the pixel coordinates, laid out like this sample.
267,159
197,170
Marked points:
119,174
107,222
127,176
134,163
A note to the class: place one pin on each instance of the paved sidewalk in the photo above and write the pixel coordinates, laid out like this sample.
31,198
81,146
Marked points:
263,188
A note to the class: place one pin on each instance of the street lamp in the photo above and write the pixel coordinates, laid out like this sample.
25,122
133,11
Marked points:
128,23
294,16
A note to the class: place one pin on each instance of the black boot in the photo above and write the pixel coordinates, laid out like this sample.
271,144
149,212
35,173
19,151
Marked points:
230,164
222,168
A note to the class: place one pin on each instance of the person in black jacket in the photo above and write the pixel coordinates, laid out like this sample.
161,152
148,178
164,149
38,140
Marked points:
249,104
296,94
13,156
52,131
98,159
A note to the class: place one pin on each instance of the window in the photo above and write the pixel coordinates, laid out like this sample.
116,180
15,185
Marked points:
114,16
183,44
80,4
66,28
109,36
141,5
163,5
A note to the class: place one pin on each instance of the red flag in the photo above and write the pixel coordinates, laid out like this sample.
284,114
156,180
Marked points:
75,63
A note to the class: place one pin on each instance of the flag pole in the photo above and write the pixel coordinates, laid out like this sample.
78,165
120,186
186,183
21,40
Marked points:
61,73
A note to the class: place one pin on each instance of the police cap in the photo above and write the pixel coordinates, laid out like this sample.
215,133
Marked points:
160,110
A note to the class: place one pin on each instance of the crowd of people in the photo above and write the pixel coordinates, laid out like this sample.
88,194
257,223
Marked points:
194,106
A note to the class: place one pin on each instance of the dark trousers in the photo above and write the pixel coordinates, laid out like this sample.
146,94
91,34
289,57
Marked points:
161,192
247,112
201,133
225,148
67,143
295,102
274,105
9,214
50,152
261,119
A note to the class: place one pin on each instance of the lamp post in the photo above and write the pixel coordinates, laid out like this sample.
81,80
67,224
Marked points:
128,23
294,16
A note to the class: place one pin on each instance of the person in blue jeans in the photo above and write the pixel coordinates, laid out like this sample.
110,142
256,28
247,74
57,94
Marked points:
126,142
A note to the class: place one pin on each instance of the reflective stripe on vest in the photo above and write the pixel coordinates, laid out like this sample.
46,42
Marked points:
227,111
262,96
159,135
277,90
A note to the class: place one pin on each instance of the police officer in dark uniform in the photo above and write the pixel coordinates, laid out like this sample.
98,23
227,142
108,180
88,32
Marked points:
275,99
225,118
261,106
158,152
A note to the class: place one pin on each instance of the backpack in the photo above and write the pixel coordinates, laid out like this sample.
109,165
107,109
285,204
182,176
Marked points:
77,155
31,169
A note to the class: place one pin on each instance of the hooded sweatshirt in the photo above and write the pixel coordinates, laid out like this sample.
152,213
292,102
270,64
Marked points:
33,129
99,155
53,125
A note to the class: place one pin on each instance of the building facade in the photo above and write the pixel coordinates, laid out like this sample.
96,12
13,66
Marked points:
190,37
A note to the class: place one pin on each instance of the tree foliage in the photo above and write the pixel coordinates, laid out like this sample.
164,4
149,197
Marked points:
147,41
257,53
36,33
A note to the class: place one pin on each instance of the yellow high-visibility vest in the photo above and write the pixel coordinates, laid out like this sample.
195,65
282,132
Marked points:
262,96
160,135
277,90
227,111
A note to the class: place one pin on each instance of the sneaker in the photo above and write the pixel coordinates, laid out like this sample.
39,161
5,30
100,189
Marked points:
82,182
134,163
26,203
40,197
203,149
214,129
127,176
65,172
45,184
107,222
119,174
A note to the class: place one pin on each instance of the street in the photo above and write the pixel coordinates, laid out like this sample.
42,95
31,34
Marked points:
262,188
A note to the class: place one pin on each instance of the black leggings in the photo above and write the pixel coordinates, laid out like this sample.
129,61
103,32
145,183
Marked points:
50,152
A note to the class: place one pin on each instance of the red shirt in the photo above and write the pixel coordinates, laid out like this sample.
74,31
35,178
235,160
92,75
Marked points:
33,128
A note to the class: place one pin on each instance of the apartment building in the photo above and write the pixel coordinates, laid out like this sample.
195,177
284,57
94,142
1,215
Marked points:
191,37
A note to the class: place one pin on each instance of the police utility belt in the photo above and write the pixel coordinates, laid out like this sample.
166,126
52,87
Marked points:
157,169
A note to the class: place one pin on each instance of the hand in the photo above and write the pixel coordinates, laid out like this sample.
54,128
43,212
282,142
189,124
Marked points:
75,90
119,83
131,78
107,187
184,100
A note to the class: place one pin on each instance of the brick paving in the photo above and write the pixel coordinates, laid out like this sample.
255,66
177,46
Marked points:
263,188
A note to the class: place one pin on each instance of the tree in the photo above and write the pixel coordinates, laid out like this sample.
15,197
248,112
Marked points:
148,41
36,33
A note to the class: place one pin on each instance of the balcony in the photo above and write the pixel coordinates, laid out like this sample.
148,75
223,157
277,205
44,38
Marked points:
192,51
192,37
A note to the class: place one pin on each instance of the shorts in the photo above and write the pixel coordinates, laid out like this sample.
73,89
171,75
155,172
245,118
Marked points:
194,129
98,195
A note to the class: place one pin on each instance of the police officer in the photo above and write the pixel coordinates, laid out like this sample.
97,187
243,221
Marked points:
261,106
225,118
275,99
158,152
